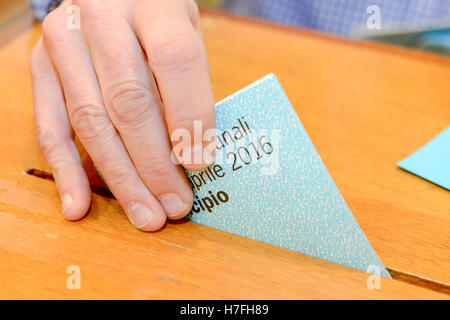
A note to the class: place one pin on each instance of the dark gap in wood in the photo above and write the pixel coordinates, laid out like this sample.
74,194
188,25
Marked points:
419,281
48,176
40,174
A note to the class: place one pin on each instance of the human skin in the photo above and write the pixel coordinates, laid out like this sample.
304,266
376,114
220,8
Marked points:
132,74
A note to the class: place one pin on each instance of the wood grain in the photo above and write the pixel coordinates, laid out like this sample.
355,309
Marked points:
364,106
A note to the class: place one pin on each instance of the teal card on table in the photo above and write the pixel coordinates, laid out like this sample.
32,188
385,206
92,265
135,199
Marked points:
432,161
268,182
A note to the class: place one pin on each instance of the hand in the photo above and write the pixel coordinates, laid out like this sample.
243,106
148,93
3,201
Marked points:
133,73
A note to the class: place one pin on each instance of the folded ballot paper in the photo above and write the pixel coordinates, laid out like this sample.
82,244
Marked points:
268,182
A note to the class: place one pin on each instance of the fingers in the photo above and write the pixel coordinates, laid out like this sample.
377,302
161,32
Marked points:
177,58
54,136
134,106
90,121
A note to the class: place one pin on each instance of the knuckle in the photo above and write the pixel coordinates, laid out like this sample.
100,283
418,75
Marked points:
118,177
95,12
49,140
176,53
51,26
90,121
156,169
46,138
132,104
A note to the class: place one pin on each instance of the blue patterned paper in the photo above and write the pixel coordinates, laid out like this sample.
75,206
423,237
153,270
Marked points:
286,197
432,161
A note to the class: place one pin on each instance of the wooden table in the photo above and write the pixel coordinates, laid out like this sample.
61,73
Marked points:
365,106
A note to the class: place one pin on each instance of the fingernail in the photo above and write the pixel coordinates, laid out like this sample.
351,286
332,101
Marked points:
139,214
66,202
173,205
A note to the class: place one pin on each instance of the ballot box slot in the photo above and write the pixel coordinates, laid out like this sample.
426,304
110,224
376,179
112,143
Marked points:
48,176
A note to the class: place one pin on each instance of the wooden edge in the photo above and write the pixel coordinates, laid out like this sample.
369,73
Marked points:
419,281
395,274
339,281
393,49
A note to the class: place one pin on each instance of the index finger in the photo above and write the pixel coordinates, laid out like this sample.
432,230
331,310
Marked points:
178,60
